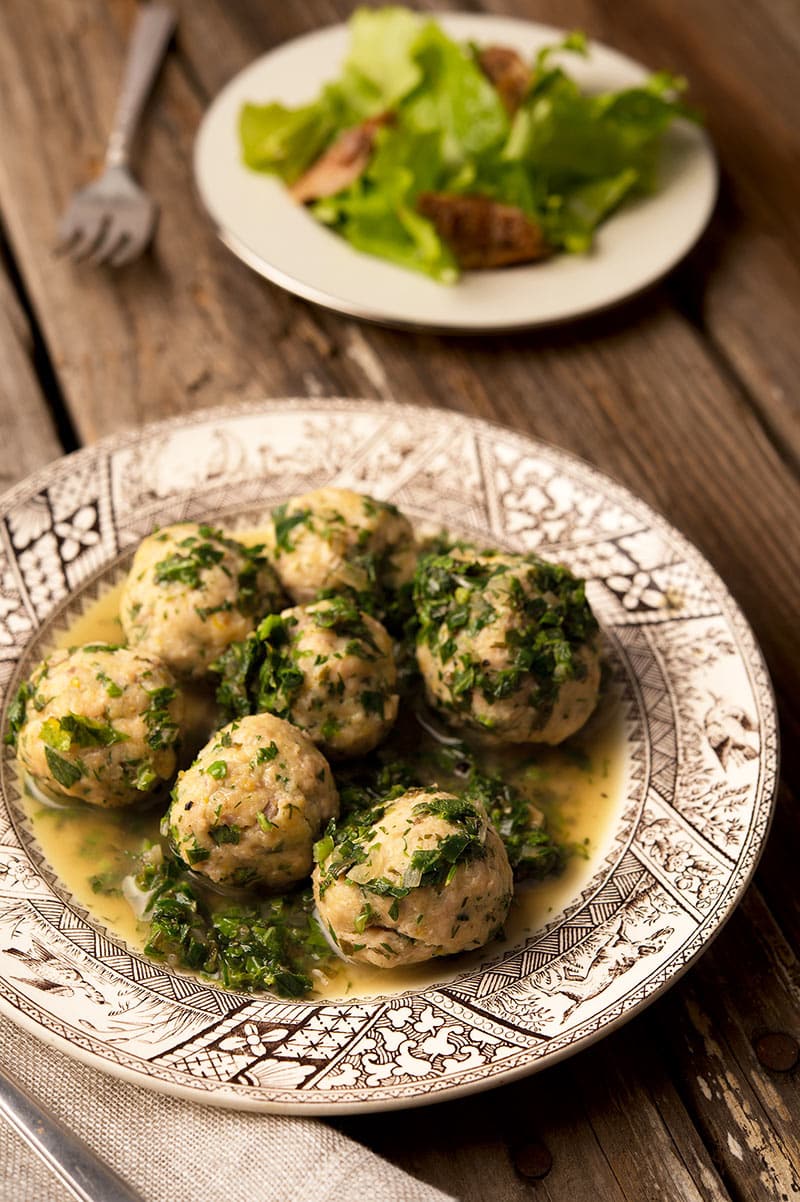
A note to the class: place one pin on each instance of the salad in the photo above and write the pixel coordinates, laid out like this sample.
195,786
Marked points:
443,157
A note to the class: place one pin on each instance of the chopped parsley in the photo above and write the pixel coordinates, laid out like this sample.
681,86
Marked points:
64,771
376,592
532,850
146,776
197,854
341,614
225,833
373,701
163,731
111,687
265,755
75,730
106,883
330,729
437,865
539,611
366,786
284,523
187,566
17,712
206,549
259,673
270,944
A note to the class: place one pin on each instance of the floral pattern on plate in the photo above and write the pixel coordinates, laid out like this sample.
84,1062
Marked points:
690,825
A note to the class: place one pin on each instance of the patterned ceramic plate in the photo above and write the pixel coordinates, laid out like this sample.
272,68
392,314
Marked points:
257,219
687,826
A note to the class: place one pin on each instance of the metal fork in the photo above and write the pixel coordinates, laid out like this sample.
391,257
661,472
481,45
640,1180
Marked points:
77,1167
112,220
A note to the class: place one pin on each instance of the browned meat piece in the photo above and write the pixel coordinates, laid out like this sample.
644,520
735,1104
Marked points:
481,232
509,73
341,164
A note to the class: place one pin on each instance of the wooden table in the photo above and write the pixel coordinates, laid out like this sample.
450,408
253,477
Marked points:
688,395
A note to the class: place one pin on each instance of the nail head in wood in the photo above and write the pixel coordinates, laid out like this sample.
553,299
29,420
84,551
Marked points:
777,1051
532,1160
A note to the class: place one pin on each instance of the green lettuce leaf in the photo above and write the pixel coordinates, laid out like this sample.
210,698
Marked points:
285,141
377,214
570,221
454,98
567,159
382,53
568,137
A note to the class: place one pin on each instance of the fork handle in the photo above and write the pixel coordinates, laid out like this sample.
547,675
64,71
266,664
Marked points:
151,35
77,1167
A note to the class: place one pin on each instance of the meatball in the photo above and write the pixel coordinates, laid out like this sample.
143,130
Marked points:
249,808
328,668
100,723
337,540
347,700
192,591
507,646
423,875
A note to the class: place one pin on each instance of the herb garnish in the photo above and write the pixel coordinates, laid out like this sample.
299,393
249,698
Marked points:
259,674
187,567
17,713
111,687
64,771
540,613
347,844
163,731
284,523
206,550
265,754
76,730
269,945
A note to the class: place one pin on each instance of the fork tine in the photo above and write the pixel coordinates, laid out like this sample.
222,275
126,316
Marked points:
106,245
138,230
93,236
83,229
69,227
128,249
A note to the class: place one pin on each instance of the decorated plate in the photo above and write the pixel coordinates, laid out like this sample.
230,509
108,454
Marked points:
686,792
257,219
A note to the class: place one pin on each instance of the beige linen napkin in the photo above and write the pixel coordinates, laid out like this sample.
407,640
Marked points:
173,1150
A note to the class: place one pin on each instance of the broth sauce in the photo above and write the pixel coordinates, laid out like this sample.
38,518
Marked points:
578,786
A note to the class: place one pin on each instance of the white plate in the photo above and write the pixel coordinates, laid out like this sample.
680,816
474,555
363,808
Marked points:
688,824
255,216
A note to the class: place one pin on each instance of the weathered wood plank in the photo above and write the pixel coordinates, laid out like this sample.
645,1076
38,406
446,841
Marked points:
181,328
629,390
742,284
747,985
750,313
610,1122
637,392
27,435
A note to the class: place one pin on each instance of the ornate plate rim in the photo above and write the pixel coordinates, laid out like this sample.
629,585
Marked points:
763,805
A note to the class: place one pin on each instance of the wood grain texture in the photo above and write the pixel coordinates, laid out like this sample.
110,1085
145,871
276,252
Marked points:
28,438
611,1119
749,984
742,283
192,326
688,395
